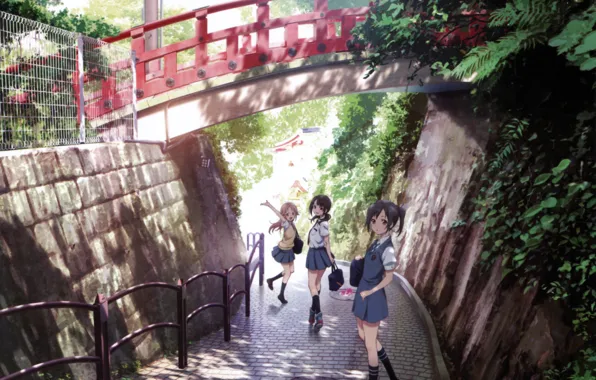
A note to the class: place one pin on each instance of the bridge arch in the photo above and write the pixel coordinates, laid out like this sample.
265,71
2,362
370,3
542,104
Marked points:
254,76
237,96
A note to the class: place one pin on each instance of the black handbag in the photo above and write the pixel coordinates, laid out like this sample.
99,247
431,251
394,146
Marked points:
336,278
356,270
298,243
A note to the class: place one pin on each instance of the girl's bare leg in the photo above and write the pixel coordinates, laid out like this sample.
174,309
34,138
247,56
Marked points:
320,274
370,341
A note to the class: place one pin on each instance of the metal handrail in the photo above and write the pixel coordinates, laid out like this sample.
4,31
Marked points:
100,315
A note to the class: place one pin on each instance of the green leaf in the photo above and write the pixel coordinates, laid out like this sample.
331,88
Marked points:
547,221
549,202
533,211
588,44
542,178
564,164
524,179
588,64
519,257
591,203
566,267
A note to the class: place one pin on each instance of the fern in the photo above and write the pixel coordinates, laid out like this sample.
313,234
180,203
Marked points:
511,132
485,61
524,14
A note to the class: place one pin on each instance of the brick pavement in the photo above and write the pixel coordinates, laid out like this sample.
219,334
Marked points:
276,342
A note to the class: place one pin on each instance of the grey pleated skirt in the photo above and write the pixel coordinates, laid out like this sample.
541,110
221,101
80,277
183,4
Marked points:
283,255
317,259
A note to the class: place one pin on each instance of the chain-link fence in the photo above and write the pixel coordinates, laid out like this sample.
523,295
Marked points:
45,100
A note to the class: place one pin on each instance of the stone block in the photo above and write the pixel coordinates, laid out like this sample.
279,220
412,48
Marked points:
20,171
142,177
111,185
85,219
68,196
174,191
173,172
150,153
4,188
147,205
115,155
129,155
155,224
98,250
5,248
100,217
46,167
128,211
157,197
47,235
96,159
70,163
15,205
91,190
127,180
71,228
44,202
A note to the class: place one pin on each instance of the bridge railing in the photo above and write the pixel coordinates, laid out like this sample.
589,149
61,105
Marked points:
238,57
101,319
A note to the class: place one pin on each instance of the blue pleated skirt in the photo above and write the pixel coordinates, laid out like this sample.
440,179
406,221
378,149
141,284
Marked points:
317,259
283,256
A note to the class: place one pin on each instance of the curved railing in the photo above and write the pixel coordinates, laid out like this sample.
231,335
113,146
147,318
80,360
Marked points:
237,57
101,317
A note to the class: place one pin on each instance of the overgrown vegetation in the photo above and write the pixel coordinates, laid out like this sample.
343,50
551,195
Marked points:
375,132
537,194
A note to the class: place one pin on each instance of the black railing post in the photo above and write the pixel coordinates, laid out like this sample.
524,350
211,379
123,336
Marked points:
100,327
261,258
226,302
182,356
247,288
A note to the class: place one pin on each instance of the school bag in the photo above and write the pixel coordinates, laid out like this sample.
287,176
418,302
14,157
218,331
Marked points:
336,278
298,243
356,270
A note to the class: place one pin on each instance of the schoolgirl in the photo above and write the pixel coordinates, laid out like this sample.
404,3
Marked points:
319,256
370,302
282,252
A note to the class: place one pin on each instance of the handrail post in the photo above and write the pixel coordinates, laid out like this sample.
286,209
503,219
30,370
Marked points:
261,258
182,355
138,46
226,302
81,87
247,288
262,32
100,327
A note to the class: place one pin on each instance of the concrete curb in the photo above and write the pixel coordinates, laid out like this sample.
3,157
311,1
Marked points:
440,367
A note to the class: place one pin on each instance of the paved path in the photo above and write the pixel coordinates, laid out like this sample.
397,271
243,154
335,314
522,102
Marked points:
276,342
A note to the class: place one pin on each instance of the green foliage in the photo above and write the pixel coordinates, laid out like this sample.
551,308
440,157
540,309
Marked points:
229,178
537,192
37,11
357,165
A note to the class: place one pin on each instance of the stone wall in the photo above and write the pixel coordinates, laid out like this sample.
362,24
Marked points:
77,221
491,329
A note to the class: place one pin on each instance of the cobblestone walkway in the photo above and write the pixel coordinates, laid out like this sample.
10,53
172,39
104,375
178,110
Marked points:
276,342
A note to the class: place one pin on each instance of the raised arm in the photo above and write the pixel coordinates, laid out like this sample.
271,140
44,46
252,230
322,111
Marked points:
266,203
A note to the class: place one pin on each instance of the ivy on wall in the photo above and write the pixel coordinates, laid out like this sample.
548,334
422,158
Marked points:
537,192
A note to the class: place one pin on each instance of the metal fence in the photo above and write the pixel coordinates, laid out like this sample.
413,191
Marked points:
60,88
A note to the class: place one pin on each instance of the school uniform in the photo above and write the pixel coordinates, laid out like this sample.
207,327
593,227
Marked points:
379,258
282,252
317,257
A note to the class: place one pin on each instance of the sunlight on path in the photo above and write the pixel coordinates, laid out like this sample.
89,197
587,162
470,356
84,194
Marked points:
276,342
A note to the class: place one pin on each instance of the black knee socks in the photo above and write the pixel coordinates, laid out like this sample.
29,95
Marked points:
277,277
373,372
386,363
281,297
316,305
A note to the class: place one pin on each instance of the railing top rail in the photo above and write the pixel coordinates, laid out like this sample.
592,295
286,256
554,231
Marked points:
140,331
183,17
203,274
47,305
125,292
236,266
254,249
